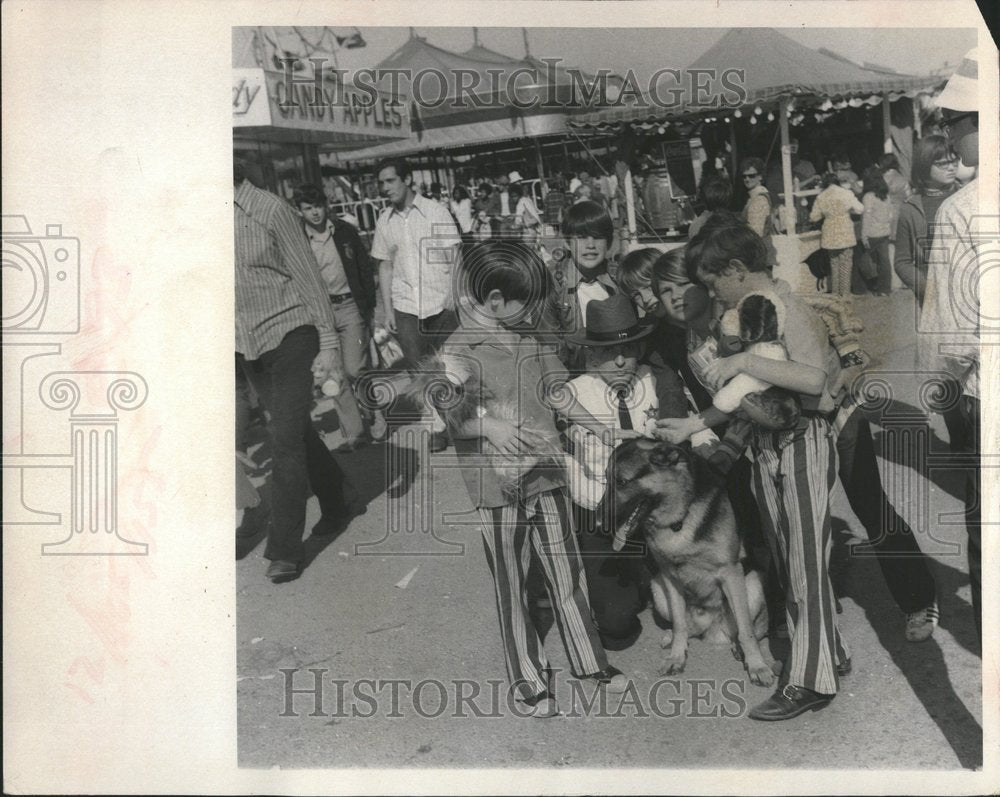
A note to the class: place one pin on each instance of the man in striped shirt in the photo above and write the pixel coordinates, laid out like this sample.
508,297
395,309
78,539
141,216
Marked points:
286,338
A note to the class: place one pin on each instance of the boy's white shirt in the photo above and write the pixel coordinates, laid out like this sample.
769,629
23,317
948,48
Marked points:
586,469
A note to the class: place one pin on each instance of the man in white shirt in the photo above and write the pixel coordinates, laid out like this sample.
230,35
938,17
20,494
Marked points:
416,246
949,319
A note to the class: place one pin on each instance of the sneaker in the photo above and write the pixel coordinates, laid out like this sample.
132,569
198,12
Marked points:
920,625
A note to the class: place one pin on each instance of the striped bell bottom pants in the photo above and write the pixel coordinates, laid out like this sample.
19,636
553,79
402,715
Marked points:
793,475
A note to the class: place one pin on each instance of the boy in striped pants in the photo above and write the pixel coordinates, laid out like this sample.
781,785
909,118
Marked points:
505,284
793,471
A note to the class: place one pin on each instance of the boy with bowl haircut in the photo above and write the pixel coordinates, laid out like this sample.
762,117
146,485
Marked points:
589,231
793,471
504,285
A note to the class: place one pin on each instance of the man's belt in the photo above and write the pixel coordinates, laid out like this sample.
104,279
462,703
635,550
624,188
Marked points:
339,298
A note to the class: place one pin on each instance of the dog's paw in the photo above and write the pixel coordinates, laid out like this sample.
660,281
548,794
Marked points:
673,665
761,674
668,638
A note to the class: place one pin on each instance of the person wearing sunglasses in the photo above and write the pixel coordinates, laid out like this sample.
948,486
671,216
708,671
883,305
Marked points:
757,211
934,172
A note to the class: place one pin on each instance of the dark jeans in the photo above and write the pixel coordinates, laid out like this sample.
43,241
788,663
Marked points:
969,407
283,381
878,249
612,580
904,565
420,337
243,406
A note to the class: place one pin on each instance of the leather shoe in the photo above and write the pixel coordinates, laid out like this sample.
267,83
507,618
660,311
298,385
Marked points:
611,678
543,705
789,702
844,668
282,570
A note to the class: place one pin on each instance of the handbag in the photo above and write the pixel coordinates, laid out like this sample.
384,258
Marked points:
387,350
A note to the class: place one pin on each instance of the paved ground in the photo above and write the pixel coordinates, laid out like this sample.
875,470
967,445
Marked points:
353,616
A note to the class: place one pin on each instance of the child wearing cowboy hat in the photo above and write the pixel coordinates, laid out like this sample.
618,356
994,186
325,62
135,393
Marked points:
620,393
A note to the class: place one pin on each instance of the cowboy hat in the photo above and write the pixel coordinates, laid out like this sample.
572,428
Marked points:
611,321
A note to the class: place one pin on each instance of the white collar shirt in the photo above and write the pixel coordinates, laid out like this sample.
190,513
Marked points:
586,469
421,242
331,267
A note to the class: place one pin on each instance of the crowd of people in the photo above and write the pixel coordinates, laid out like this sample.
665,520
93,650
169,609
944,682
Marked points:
667,345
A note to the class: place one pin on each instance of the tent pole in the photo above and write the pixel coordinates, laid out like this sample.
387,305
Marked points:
630,205
886,125
541,167
733,157
916,117
786,167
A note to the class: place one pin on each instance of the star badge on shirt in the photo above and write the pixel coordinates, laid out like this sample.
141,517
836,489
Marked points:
650,413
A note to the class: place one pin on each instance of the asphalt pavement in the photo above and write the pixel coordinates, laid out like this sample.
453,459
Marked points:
386,651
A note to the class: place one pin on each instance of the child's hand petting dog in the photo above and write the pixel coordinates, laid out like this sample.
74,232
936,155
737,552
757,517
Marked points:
676,430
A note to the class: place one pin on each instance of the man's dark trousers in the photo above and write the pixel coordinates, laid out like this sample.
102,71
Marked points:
420,337
904,565
283,380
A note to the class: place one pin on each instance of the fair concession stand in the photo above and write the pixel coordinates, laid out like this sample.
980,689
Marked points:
787,86
455,135
286,123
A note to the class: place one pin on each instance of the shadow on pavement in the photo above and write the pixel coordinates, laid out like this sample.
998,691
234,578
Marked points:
950,480
922,664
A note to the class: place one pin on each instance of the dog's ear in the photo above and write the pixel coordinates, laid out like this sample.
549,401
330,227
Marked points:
665,455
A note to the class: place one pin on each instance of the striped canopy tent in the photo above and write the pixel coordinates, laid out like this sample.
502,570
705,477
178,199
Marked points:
774,67
448,126
781,78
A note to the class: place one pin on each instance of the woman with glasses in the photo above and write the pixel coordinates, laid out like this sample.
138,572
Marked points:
934,173
757,211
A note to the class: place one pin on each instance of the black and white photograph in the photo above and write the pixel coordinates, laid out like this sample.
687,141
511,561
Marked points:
607,397
603,388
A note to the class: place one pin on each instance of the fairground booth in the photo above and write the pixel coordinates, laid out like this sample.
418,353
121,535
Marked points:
798,105
456,142
291,110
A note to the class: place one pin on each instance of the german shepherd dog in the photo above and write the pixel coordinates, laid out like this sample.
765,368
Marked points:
670,498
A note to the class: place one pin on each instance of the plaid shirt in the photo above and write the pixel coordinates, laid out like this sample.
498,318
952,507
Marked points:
278,285
421,242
